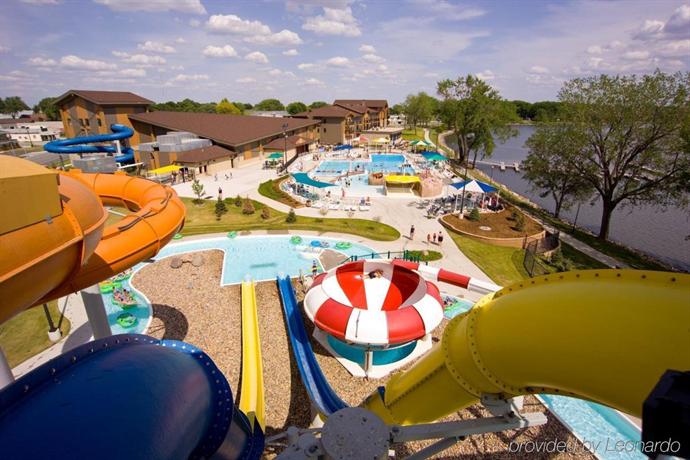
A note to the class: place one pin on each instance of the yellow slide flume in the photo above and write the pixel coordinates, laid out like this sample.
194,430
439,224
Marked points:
252,386
602,335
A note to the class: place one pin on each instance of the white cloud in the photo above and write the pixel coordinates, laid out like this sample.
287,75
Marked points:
594,49
156,47
677,26
132,72
306,66
367,49
636,55
278,72
189,77
650,28
372,58
219,51
291,52
448,11
180,40
486,75
194,22
284,37
258,57
338,61
41,62
313,82
246,80
142,60
678,48
182,6
42,2
232,24
75,62
679,23
4,49
539,70
334,21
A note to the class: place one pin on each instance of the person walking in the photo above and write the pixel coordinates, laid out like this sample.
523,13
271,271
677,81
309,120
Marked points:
412,232
434,237
440,238
314,268
428,238
220,193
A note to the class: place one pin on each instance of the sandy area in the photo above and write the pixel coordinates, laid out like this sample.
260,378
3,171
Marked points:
200,312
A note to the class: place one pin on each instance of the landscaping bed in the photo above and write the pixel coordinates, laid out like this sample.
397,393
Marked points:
271,189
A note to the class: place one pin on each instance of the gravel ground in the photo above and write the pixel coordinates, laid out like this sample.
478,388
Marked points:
200,312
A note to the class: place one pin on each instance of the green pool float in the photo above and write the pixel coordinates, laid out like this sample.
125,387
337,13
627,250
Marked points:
125,305
117,284
177,236
126,320
232,234
343,245
106,287
296,239
121,277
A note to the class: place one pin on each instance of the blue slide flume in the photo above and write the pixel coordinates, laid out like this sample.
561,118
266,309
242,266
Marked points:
77,144
320,392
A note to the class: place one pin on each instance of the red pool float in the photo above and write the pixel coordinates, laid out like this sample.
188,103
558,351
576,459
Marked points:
373,302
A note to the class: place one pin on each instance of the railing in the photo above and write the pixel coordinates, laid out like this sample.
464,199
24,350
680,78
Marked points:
533,249
404,255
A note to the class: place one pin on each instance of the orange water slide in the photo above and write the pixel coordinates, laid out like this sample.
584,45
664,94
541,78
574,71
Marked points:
47,252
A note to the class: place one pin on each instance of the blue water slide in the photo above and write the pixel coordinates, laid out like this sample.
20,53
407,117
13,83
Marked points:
125,397
76,144
320,392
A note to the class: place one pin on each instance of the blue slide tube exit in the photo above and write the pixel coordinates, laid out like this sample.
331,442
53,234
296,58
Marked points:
320,392
75,144
125,397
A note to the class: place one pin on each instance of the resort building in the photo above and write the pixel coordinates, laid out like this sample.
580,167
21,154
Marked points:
92,112
243,137
338,125
31,134
374,112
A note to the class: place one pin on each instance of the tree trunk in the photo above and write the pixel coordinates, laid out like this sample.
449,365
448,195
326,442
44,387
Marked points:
474,160
607,211
557,210
51,325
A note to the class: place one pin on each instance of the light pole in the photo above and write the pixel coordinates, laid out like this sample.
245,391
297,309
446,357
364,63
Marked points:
285,127
462,201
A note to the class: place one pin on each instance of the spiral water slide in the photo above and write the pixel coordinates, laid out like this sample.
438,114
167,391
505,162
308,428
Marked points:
81,145
53,238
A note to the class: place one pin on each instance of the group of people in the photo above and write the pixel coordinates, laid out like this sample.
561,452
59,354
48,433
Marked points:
436,238
123,295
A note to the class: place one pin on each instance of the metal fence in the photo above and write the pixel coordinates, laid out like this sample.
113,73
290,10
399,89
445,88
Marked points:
532,263
404,255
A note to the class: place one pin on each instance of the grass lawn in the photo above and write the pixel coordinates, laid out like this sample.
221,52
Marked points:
410,134
271,189
201,219
27,333
426,256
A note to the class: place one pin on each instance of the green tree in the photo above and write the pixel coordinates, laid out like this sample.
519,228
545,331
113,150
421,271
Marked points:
220,208
419,108
241,106
198,189
633,130
185,105
227,107
14,105
47,107
270,105
296,107
248,206
291,217
317,104
397,109
551,149
476,114
2,105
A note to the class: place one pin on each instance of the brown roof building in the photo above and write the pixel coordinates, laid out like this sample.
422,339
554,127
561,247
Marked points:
92,112
244,137
376,110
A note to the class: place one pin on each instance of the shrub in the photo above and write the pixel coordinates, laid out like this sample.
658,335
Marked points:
198,189
560,263
323,211
266,213
248,207
291,217
519,222
514,215
238,201
220,208
474,215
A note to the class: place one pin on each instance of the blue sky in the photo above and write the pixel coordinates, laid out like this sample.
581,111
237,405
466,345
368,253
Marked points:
324,49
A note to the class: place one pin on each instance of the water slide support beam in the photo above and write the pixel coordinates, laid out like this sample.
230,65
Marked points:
6,376
95,311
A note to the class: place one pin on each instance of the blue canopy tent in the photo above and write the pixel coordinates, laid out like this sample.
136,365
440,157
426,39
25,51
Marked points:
304,179
342,147
433,156
473,186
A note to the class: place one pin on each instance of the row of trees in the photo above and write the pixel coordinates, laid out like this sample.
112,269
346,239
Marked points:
12,105
235,107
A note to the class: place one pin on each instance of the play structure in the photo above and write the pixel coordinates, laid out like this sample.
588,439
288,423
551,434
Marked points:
84,144
609,336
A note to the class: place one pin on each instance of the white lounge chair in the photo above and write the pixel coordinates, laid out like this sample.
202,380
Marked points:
335,206
364,207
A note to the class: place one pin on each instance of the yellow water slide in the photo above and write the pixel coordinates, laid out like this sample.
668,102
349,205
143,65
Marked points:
602,335
252,385
53,237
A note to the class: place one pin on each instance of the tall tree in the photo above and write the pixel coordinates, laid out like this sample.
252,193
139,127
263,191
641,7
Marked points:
419,108
397,109
270,105
551,149
317,104
47,107
476,114
633,130
2,105
227,107
14,105
296,107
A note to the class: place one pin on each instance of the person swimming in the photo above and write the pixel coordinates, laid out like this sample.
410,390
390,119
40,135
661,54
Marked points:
378,273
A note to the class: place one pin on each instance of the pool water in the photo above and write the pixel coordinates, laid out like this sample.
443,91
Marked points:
453,306
142,312
378,163
381,356
262,258
598,427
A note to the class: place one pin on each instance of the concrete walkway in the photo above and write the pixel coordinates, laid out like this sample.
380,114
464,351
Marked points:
72,307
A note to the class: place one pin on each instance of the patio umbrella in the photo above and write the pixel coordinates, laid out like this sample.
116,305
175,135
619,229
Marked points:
433,156
304,179
419,142
381,140
473,186
275,156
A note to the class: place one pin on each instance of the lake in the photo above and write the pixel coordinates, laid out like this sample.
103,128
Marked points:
657,232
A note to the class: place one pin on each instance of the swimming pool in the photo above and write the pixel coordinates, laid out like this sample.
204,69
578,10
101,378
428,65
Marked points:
142,312
378,163
263,257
